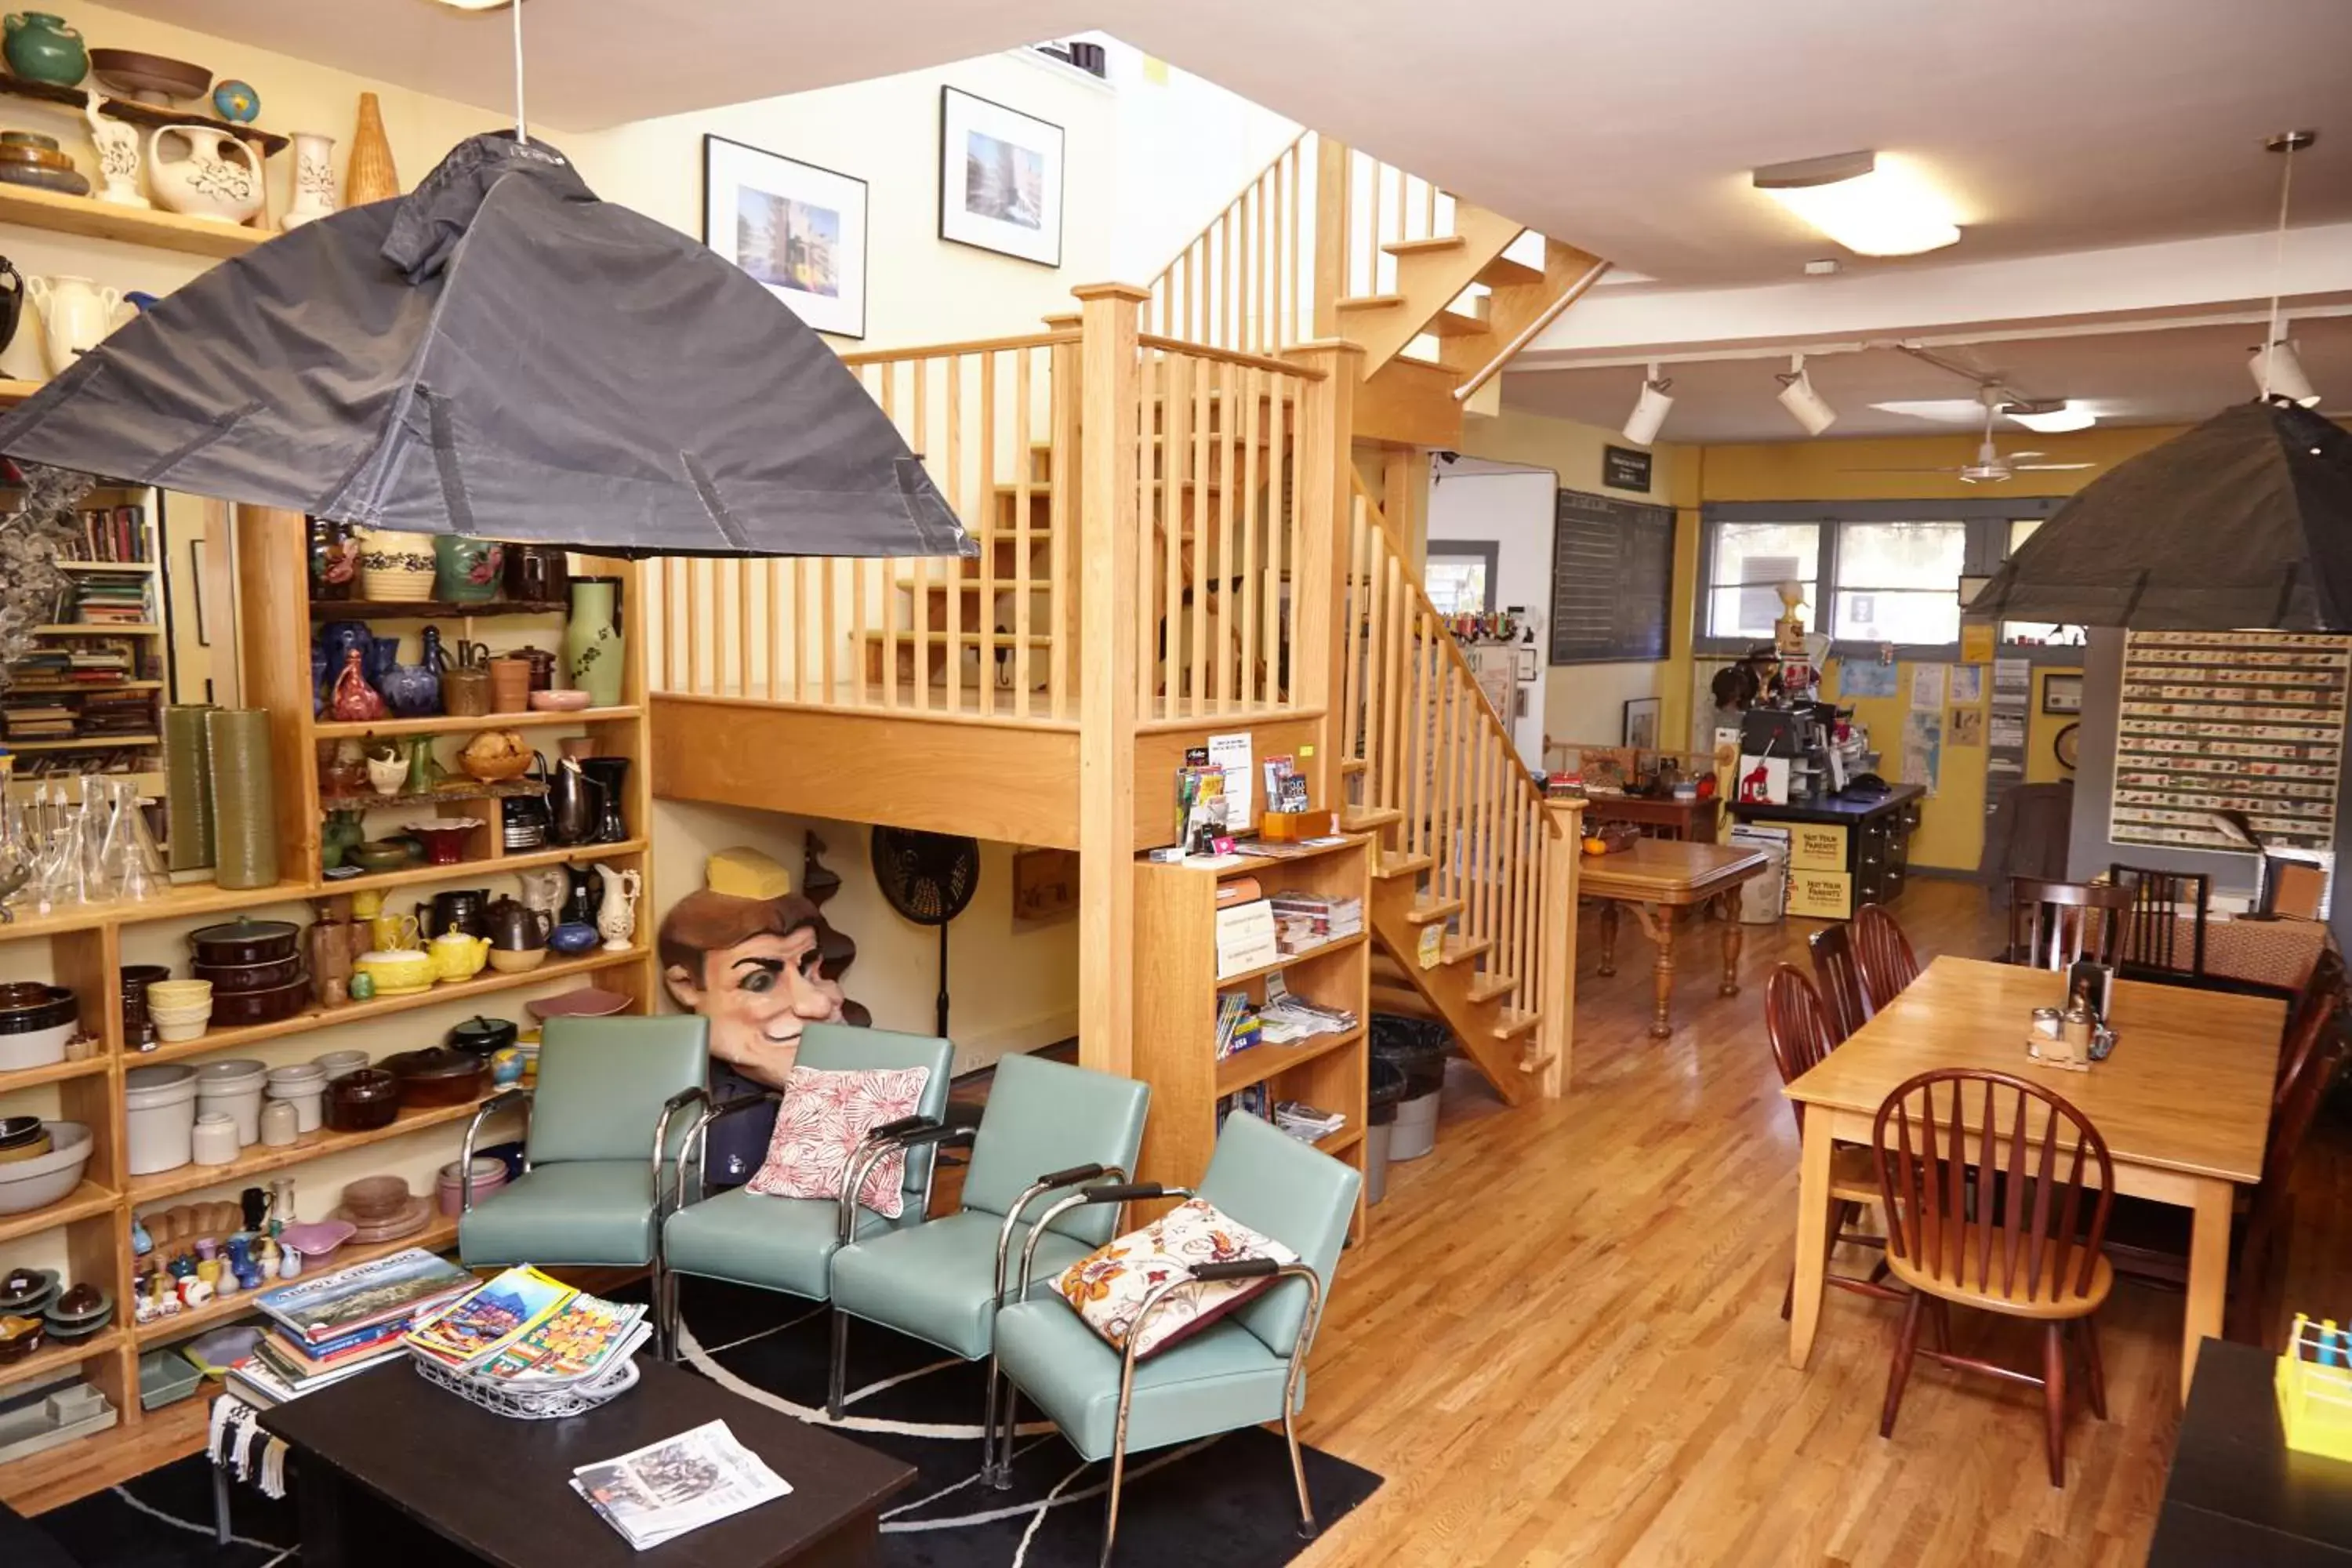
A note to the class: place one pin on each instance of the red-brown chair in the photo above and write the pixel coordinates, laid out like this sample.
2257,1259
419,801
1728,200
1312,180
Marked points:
2052,924
1883,956
1798,1026
2026,1243
1840,979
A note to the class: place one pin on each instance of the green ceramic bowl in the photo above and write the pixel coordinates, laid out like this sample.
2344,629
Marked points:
377,854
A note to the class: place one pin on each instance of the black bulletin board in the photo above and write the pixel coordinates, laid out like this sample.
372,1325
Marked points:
1612,579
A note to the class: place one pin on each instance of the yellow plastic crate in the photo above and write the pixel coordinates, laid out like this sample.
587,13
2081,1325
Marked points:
2315,1389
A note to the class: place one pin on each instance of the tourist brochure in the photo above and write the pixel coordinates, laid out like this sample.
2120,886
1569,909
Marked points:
580,1341
347,1301
488,1318
658,1493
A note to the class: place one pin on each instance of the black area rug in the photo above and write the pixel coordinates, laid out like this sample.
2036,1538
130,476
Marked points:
1228,1500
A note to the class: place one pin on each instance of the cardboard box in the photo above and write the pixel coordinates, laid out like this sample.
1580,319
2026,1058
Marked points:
1820,895
1816,846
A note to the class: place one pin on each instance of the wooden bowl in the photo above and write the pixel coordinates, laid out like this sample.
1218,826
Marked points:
149,78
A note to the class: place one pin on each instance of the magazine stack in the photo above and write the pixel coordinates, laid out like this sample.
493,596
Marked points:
341,1323
527,1345
664,1489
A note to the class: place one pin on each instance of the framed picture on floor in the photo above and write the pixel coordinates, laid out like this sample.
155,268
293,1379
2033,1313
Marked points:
1000,179
798,230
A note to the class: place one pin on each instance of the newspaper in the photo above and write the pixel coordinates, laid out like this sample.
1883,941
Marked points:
659,1492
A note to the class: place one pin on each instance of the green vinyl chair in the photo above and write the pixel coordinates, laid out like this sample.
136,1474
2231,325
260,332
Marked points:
1046,1126
787,1244
1242,1370
600,1154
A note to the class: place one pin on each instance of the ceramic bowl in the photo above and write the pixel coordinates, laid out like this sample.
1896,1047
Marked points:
507,961
27,1184
572,938
559,701
19,1338
18,1130
65,182
262,1006
177,992
588,1002
378,855
181,1034
196,1014
149,78
26,1289
444,837
315,1239
245,940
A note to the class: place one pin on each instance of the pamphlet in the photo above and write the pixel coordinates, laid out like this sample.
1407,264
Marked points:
490,1316
580,1341
664,1489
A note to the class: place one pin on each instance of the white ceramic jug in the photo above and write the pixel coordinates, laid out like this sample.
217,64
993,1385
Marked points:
203,181
75,315
617,916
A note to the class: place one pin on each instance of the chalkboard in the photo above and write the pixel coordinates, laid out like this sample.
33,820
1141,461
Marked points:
1612,579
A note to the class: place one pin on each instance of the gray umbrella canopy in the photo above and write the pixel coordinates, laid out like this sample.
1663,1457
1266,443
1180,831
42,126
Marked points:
498,354
2245,521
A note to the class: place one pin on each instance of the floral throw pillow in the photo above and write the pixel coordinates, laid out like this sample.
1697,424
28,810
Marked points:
1108,1287
825,1117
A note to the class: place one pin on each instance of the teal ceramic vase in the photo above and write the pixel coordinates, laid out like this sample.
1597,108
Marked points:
41,48
466,570
592,641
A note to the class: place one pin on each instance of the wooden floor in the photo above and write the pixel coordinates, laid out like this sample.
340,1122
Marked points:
1562,1341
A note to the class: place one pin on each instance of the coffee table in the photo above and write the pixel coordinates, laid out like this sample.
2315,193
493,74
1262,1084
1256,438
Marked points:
388,1469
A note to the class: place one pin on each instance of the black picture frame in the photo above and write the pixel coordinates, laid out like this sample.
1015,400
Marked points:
1638,709
946,95
710,142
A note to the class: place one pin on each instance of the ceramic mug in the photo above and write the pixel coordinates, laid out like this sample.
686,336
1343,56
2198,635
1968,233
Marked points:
394,933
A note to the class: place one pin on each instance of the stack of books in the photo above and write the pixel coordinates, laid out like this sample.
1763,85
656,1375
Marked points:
1289,1018
30,718
524,1329
1308,1122
1237,1024
113,534
1307,921
110,599
324,1330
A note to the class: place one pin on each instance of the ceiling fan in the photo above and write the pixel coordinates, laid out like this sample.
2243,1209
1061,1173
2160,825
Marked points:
1989,467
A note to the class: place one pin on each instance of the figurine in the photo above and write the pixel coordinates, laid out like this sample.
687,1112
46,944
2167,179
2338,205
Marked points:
142,1243
117,156
616,917
545,890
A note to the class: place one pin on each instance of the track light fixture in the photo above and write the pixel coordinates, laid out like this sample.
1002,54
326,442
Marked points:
1649,409
2282,377
1796,396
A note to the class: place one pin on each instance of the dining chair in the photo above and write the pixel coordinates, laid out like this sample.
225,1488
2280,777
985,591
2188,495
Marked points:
2051,925
1796,1023
2020,1245
1883,956
2151,935
2305,1023
1839,978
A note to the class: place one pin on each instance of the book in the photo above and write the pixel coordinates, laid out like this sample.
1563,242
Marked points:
381,1290
664,1489
488,1318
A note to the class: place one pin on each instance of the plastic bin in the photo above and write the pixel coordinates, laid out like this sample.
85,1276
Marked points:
1388,1086
1764,899
1416,1047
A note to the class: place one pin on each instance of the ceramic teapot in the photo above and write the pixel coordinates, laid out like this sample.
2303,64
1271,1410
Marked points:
75,315
516,927
456,956
197,176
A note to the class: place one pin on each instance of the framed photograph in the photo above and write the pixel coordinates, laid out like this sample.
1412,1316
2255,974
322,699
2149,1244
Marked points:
1000,179
1642,723
798,230
2061,694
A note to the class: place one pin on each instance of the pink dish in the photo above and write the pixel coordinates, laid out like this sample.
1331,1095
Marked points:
587,1002
318,1237
559,701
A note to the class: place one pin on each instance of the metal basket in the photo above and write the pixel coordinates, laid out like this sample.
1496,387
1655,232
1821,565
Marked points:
533,1403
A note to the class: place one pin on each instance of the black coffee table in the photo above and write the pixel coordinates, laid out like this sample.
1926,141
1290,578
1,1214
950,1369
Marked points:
389,1468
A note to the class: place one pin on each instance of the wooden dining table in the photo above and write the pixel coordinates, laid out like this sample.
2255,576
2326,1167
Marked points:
2183,1102
1657,878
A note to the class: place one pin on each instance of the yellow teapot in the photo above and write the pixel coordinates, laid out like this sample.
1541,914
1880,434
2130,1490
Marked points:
456,956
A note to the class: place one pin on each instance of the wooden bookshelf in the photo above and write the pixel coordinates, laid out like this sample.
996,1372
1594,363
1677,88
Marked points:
1176,995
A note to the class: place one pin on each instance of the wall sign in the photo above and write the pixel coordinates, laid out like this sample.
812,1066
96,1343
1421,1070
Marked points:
1612,569
1623,469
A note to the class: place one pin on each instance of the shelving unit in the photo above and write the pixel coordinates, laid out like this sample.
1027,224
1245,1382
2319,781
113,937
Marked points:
1175,1032
141,644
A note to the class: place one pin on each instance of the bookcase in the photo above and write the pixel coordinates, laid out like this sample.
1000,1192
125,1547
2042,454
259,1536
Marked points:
91,693
1176,992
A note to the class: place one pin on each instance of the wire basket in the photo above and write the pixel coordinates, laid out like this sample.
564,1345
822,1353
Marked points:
534,1402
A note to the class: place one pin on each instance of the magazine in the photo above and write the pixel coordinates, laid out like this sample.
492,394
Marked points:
347,1301
490,1316
662,1491
579,1341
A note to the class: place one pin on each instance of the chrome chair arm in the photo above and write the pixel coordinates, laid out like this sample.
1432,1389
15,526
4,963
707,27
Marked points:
1052,1180
505,1099
671,1107
879,1142
1116,1192
1206,1273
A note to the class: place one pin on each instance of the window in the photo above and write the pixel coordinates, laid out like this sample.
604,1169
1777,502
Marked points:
1460,576
1748,562
1898,582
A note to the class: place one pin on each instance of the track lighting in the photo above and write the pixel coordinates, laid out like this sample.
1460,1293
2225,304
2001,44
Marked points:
1871,207
1649,410
2282,377
1796,396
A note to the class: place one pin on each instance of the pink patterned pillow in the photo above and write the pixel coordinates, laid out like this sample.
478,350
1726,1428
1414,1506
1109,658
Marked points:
825,1117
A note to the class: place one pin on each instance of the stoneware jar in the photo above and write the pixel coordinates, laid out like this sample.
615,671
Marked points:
214,1139
396,566
466,570
41,48
205,172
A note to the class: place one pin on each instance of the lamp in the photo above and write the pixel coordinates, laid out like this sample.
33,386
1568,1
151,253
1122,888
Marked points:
1649,409
1796,396
2282,377
1870,208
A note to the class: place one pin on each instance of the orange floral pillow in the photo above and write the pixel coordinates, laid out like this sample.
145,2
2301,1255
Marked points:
1108,1287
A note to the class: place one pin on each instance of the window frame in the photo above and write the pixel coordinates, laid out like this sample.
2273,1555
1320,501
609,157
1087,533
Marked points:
1987,521
1489,551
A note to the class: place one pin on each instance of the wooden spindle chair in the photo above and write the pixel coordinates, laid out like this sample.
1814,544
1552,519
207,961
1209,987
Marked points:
2307,1022
1883,956
1840,979
2051,925
1799,1027
2151,935
2029,1248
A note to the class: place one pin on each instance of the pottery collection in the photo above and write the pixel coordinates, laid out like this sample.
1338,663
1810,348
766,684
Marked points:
76,314
592,641
205,172
314,179
41,48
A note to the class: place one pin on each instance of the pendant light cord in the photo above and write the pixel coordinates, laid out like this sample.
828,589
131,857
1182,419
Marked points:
523,129
2278,269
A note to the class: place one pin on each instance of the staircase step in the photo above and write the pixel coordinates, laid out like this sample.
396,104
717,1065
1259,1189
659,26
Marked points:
1429,912
1402,866
1457,951
1452,323
1353,765
1488,986
1436,242
1365,821
1373,303
1513,1022
1402,999
1503,272
1537,1064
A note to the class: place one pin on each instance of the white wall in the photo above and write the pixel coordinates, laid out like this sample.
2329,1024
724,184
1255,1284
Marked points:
1515,511
1186,146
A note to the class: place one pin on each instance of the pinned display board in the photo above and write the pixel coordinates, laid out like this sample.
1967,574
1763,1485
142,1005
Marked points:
2247,721
1612,575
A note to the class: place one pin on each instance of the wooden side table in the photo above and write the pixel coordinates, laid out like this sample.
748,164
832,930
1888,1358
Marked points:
1658,879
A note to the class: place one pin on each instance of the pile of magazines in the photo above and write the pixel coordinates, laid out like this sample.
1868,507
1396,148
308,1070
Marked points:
525,1344
665,1488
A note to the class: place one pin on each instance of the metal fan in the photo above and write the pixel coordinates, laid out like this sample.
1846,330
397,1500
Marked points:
1991,467
929,877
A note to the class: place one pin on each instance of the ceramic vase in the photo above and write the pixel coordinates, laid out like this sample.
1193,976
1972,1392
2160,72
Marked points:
592,641
616,917
510,685
41,48
610,776
354,701
371,176
314,179
75,315
117,156
204,171
334,560
466,570
412,690
396,566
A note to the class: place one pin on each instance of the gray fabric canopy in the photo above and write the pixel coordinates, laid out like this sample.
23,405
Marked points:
2245,522
498,354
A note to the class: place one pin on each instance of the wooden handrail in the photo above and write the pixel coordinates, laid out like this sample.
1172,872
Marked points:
1231,356
947,350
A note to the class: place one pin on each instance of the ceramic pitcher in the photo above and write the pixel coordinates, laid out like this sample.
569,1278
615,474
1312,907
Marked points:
75,314
117,156
616,917
197,175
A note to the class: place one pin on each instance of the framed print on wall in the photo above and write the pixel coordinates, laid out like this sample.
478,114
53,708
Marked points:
798,230
1000,179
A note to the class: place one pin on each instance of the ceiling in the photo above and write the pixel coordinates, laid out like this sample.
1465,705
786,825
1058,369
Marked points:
2177,377
1626,128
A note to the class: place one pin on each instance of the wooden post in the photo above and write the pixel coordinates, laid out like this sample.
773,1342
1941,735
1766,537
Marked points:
273,673
1563,854
1108,424
1331,232
1320,459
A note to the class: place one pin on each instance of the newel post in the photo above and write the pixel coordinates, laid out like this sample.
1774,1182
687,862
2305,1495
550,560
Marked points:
1109,421
1330,232
1563,856
1319,586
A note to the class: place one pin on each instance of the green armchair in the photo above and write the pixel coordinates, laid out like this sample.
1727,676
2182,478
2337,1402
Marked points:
601,1147
787,1244
1242,1370
942,1282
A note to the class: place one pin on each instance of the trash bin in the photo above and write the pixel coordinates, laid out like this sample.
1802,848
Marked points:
1416,1047
1763,900
1380,1122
